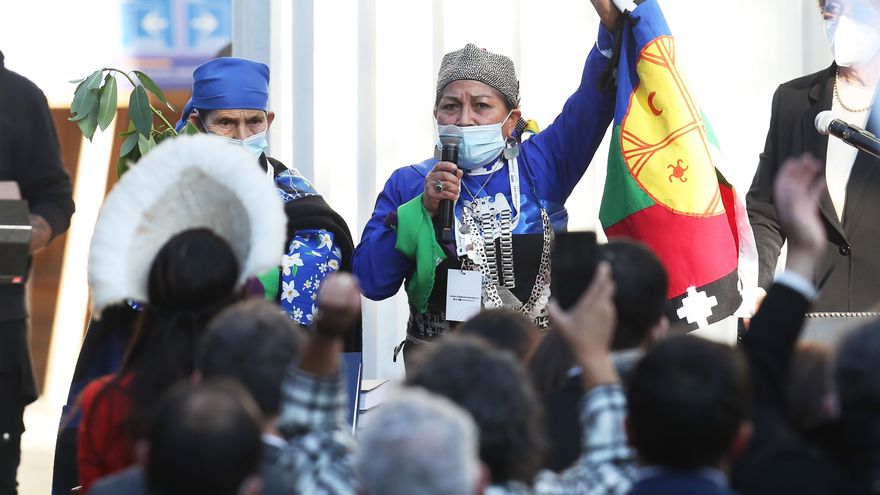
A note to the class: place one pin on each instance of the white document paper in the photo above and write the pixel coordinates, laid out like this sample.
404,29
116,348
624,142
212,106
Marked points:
464,291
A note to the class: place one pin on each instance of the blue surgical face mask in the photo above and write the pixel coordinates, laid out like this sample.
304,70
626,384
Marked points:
480,144
256,144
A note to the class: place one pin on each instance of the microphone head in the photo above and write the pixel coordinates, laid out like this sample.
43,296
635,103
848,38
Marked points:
823,121
449,135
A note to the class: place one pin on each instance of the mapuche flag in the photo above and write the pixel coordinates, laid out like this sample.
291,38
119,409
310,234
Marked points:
663,186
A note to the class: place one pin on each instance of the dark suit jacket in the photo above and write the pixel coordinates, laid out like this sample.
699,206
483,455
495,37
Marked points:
780,460
848,276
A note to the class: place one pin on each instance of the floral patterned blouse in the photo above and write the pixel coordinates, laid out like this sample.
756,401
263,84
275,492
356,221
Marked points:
311,256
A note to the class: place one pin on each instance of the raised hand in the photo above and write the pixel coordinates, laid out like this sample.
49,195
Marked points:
799,185
339,305
448,176
608,13
589,327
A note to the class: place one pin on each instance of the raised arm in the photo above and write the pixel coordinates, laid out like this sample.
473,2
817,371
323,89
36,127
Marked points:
606,464
319,456
557,157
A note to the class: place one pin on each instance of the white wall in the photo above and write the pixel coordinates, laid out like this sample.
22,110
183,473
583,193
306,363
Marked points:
353,80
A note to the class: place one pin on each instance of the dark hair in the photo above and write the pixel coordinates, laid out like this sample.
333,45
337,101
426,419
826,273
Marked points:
810,384
191,278
505,329
492,386
640,290
551,363
856,375
857,370
204,440
687,401
253,343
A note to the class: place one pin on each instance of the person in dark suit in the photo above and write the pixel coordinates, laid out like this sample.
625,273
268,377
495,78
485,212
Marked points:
845,458
849,271
31,157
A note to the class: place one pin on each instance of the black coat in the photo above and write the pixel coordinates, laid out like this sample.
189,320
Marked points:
780,459
848,276
31,156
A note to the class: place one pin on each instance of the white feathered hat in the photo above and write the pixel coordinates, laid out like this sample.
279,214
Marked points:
184,183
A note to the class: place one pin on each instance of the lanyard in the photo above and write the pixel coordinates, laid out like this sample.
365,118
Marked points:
461,239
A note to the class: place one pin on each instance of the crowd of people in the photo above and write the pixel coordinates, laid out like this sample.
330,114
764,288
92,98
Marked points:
224,294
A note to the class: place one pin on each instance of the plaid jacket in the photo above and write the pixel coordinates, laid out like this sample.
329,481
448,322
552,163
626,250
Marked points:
606,466
318,457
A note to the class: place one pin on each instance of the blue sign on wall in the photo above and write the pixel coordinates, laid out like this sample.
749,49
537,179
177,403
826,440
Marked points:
209,24
168,39
147,25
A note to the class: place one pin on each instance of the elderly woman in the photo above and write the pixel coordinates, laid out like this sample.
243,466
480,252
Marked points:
848,275
230,99
509,194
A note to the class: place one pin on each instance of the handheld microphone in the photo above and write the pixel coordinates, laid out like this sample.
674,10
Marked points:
827,123
450,138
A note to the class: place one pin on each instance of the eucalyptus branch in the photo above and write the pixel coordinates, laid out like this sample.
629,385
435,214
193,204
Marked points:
110,69
161,116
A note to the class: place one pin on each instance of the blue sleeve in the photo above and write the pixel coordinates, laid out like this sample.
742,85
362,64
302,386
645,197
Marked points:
378,265
311,257
556,158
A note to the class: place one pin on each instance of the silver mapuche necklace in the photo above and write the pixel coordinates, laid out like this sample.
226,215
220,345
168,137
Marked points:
465,228
484,219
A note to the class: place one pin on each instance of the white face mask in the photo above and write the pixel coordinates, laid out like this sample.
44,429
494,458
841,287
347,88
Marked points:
480,144
256,144
852,43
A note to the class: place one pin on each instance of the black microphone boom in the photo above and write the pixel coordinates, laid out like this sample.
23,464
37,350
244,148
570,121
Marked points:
450,138
852,135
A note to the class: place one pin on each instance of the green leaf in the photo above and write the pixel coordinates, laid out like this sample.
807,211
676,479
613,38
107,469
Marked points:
189,129
131,129
77,97
88,126
121,166
161,136
84,102
107,106
125,162
94,81
139,109
153,87
77,81
145,144
129,144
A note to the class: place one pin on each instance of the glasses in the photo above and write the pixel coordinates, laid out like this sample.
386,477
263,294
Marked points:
859,10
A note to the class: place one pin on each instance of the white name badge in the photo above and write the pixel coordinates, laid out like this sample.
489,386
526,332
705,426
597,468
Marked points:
464,291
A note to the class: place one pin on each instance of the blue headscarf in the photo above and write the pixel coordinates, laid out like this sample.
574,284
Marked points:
228,82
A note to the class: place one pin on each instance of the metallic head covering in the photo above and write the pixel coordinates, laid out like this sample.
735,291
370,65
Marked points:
479,64
228,82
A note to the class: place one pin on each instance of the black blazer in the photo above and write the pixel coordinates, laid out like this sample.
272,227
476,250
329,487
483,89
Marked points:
848,276
780,459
